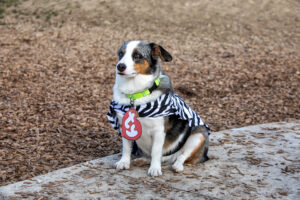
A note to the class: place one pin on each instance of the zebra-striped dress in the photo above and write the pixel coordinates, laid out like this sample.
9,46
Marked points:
166,104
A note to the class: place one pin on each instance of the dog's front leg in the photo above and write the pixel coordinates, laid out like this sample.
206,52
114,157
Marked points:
124,162
156,153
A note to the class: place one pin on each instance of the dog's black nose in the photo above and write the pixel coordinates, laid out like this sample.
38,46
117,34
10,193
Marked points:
121,67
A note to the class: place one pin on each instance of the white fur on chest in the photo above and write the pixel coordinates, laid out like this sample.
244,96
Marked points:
151,127
130,87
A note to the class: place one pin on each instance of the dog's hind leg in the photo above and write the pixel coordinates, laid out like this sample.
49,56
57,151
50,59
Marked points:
194,150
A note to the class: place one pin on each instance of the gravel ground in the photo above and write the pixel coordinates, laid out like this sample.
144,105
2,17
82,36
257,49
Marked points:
235,62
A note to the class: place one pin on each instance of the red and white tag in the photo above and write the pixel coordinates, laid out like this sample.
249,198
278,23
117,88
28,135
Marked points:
131,127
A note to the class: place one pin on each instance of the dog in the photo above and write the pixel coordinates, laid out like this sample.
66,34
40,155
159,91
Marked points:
166,138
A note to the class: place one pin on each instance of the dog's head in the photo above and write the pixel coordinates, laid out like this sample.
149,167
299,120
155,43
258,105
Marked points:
140,58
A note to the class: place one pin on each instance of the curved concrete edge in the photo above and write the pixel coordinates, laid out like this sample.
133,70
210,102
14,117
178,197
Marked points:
254,162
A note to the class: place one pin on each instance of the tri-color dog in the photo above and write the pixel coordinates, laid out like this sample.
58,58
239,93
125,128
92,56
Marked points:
172,131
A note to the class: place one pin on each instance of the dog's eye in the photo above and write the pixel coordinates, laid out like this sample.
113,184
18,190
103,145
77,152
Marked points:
137,56
121,54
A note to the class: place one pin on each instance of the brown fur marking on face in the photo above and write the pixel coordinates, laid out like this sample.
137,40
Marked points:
142,68
194,157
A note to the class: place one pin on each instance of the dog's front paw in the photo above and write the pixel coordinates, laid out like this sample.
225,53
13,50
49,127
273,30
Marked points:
122,164
177,166
154,171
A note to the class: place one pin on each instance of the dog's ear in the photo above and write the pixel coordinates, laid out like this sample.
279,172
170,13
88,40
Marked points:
159,51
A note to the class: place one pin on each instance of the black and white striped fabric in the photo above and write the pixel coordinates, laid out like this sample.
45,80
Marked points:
166,104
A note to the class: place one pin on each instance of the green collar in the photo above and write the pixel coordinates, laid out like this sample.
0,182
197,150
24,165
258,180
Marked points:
145,92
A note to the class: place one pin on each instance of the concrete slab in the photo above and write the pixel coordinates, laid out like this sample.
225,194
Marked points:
255,162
